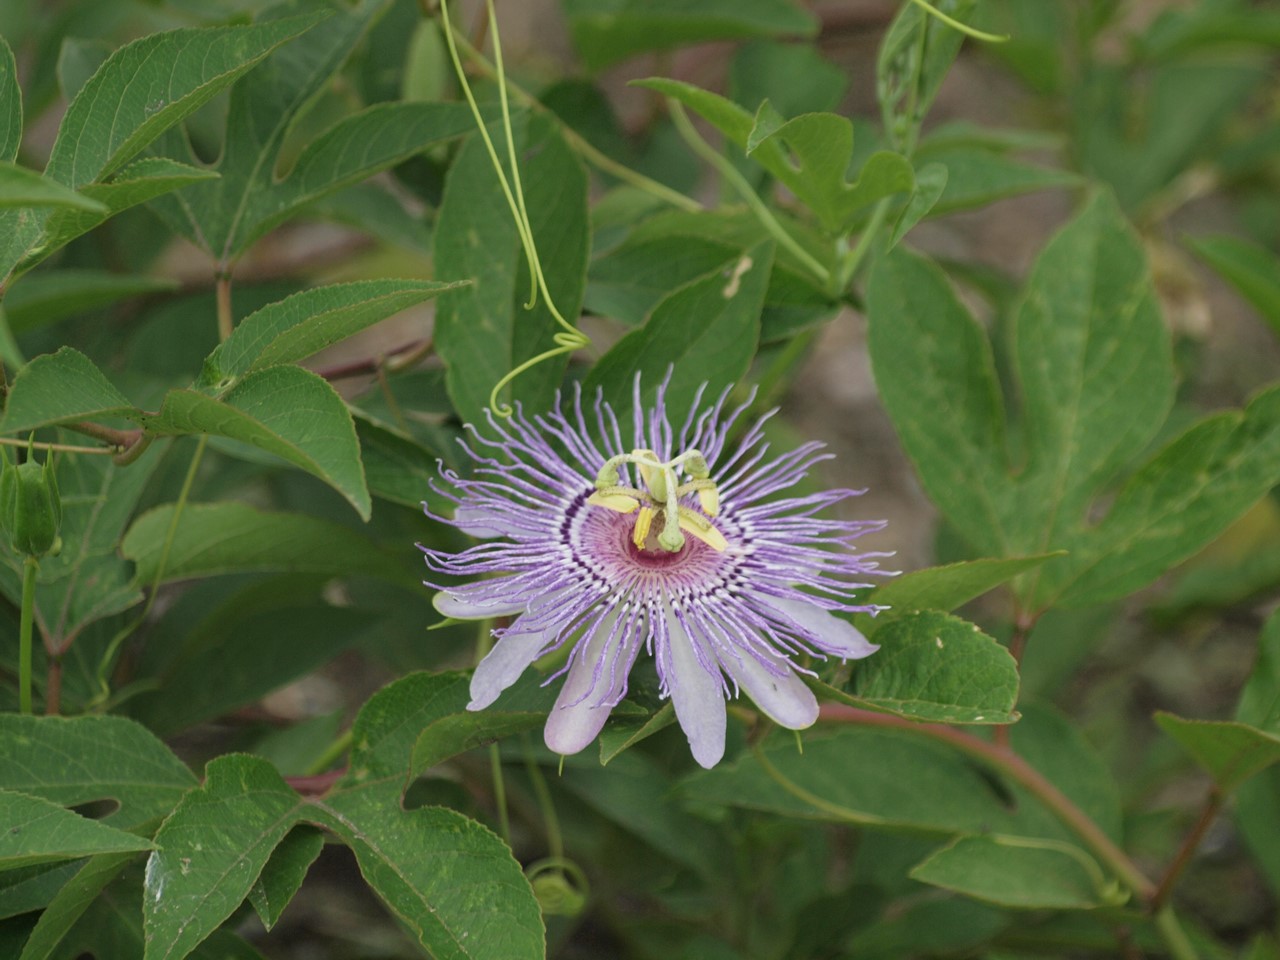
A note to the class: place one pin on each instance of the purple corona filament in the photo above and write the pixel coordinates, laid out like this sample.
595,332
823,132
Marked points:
733,607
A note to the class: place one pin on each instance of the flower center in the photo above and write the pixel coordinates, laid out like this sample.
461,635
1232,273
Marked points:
661,519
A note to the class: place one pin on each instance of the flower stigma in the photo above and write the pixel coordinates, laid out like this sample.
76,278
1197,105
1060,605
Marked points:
657,501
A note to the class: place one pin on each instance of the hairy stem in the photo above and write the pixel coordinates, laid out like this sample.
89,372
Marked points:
59,447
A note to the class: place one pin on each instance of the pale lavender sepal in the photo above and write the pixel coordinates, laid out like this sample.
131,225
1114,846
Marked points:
836,636
697,697
784,696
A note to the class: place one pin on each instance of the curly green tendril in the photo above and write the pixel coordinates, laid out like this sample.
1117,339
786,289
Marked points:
569,338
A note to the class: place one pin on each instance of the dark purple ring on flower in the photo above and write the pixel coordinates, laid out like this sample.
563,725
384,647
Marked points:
570,572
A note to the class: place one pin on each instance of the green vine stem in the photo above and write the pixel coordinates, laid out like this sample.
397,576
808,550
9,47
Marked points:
580,146
30,567
955,24
739,183
58,447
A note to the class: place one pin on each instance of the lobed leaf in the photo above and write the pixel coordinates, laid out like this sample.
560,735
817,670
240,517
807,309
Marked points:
282,876
212,849
151,84
38,831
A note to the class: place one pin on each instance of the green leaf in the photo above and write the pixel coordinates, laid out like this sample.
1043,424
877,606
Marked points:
47,297
1231,752
38,831
284,410
223,216
722,113
1089,342
137,183
151,84
70,903
397,467
944,588
229,537
931,181
706,330
977,176
483,330
211,850
20,187
253,642
1179,500
452,729
80,760
284,872
932,666
57,388
606,32
640,796
821,149
1253,270
629,281
10,105
936,376
350,151
452,882
1021,873
861,775
623,733
305,323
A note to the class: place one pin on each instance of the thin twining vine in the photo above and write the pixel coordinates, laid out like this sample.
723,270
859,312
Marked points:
569,338
955,24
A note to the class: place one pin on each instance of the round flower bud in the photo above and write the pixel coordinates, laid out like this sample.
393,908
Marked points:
30,508
556,895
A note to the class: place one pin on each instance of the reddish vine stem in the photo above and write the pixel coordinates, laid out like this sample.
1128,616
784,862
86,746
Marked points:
317,784
402,356
1015,768
1208,813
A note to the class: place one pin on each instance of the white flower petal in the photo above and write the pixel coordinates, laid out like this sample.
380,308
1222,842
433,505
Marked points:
784,698
476,601
584,705
478,522
697,696
837,636
502,666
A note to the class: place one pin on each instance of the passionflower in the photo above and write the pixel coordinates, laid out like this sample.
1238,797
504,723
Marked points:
678,544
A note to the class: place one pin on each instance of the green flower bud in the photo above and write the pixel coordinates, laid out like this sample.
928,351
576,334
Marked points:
30,508
559,886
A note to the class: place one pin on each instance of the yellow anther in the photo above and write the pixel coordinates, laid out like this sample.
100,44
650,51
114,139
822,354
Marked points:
709,500
703,529
644,521
614,500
